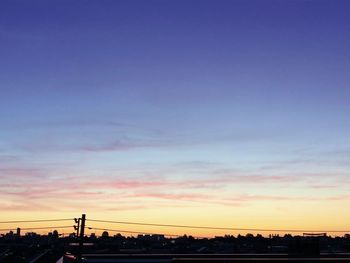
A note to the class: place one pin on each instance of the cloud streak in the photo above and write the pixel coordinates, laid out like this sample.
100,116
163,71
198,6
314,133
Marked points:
70,191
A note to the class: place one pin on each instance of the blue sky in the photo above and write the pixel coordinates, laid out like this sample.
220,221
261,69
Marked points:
123,92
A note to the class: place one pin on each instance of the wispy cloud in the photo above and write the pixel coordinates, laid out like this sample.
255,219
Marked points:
108,190
86,124
151,186
113,146
21,172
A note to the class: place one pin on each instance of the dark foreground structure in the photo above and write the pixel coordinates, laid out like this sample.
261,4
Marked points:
35,248
219,258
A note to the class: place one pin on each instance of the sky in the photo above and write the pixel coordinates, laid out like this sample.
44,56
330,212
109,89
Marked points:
221,113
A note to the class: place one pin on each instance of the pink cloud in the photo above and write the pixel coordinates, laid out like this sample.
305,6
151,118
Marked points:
338,198
21,172
25,185
26,206
325,186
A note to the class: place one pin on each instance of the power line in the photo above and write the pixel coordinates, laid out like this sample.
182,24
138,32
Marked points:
35,221
136,232
128,231
47,227
36,228
217,228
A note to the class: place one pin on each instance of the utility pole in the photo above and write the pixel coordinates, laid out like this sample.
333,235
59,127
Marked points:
82,227
81,237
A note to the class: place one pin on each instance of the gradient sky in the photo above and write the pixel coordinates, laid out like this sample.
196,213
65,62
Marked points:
227,113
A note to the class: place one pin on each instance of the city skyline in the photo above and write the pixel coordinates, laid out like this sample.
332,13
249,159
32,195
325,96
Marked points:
225,113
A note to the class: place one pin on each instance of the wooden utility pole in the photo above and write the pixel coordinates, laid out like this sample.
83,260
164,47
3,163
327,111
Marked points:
82,226
81,237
